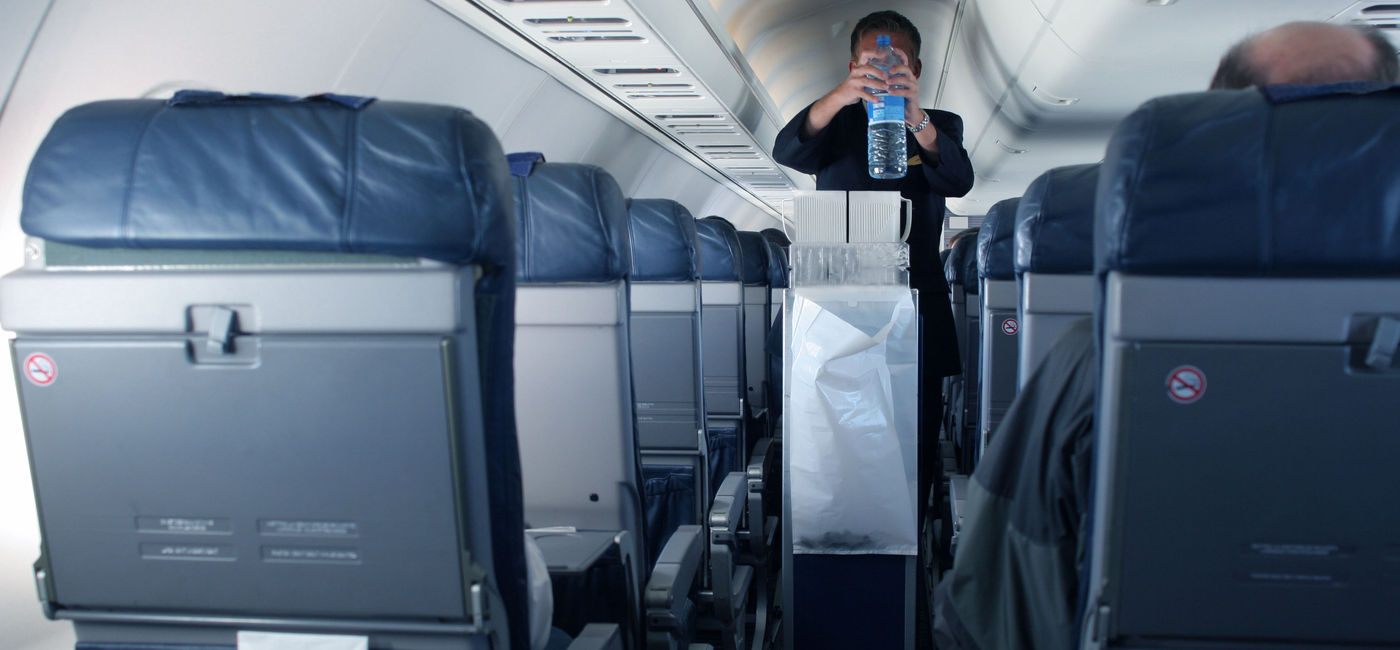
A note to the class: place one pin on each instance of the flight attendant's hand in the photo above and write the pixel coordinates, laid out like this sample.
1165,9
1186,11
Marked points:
904,82
860,75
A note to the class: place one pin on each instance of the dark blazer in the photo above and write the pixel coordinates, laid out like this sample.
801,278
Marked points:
837,156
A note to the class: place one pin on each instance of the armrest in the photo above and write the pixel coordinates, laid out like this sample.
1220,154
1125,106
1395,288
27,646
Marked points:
757,469
676,568
598,636
727,510
761,468
729,582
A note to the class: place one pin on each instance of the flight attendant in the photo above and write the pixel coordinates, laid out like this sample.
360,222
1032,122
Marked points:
828,139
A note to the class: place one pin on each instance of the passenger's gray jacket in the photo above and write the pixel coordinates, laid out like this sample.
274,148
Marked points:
1015,581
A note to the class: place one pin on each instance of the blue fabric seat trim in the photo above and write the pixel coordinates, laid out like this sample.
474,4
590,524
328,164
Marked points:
776,236
521,162
754,257
261,174
724,454
777,265
665,246
573,225
720,251
1055,222
669,498
995,242
960,269
1227,183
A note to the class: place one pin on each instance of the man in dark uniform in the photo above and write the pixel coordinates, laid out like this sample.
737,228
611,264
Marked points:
828,139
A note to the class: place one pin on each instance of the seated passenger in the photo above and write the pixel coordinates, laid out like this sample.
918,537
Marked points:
1016,580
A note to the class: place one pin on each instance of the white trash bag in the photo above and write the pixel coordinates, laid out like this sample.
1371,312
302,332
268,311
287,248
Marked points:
852,419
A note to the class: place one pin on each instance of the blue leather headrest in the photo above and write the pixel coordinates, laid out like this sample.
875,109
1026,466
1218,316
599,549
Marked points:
777,265
1055,222
205,171
755,257
1285,181
720,253
776,236
996,242
961,267
664,243
573,225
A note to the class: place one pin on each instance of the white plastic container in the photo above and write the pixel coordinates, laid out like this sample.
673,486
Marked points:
824,216
874,217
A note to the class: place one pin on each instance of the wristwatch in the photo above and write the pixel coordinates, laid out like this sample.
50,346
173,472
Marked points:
922,125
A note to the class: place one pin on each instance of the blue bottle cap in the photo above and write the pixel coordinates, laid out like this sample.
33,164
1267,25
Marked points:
882,40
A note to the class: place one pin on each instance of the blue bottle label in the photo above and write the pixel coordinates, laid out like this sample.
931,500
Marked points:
890,109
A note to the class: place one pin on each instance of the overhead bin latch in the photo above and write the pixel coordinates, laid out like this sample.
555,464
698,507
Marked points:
1381,355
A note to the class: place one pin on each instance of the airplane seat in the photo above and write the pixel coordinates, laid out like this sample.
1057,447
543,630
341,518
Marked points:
722,343
952,384
757,295
268,349
665,342
1054,240
996,275
670,406
961,271
1248,260
574,404
778,245
773,346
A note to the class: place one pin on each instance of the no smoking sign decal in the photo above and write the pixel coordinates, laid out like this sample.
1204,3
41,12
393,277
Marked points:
40,370
1186,384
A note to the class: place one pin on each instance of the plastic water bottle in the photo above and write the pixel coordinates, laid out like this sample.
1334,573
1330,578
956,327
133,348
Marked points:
885,138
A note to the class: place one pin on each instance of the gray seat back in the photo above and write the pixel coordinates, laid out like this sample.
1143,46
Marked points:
961,272
1246,418
757,295
578,444
665,337
722,322
999,324
251,404
1054,259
